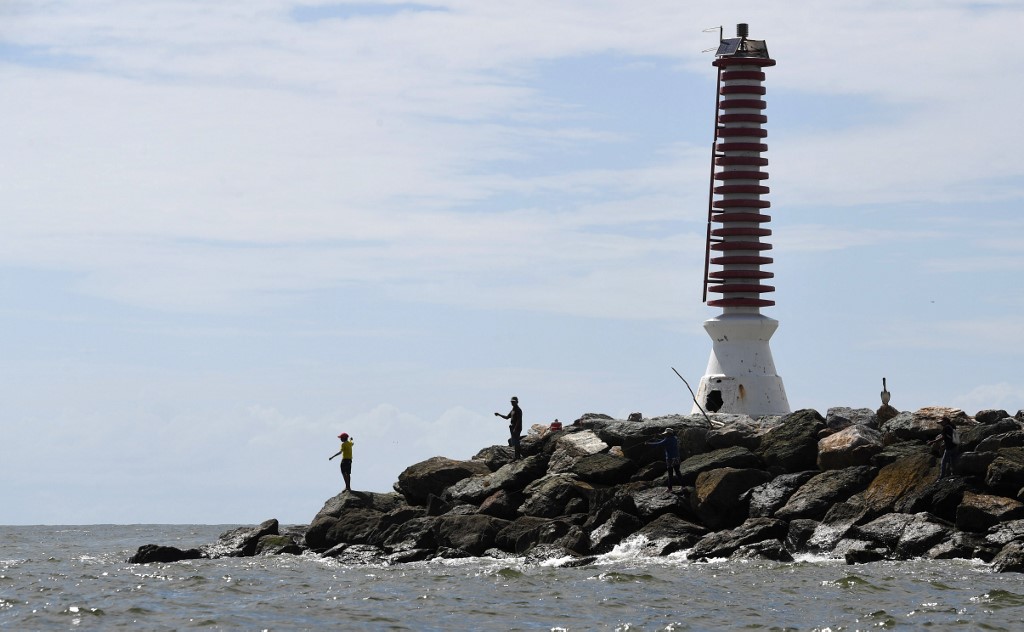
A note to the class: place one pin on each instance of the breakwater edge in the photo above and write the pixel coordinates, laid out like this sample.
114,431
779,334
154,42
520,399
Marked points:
857,484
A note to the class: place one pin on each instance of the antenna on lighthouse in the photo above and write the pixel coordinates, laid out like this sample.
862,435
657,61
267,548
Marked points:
741,375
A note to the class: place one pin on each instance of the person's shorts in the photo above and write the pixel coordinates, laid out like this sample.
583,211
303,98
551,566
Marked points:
672,463
346,466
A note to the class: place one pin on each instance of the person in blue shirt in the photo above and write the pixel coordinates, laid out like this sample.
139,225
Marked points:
670,442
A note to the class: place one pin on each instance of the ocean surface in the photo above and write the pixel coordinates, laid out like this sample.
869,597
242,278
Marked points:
76,577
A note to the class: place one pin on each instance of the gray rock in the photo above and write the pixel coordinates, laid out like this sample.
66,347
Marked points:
354,527
769,497
720,500
473,534
603,469
963,545
151,553
990,415
502,504
725,543
1006,532
737,457
551,496
240,542
433,476
972,436
614,530
772,550
842,417
979,512
815,497
1010,559
1005,475
854,445
344,501
415,533
669,533
898,480
792,446
940,498
656,501
837,524
278,545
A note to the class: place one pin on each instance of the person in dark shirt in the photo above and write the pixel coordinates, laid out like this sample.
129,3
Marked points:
515,426
951,451
670,442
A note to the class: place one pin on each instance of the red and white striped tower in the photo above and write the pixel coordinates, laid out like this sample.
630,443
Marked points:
741,375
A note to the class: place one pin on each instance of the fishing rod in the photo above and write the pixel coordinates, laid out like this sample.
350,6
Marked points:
694,397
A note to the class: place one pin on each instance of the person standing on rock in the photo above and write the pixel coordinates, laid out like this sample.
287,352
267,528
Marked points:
670,442
951,451
515,425
346,459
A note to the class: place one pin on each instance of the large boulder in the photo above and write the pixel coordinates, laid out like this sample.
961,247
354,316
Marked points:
632,436
502,504
834,527
149,553
1005,475
842,417
1010,558
941,497
725,543
991,415
345,501
815,497
435,475
792,446
555,495
853,445
415,534
737,457
609,533
520,534
472,534
972,436
720,498
906,535
513,476
603,469
650,503
278,545
740,430
767,498
900,479
355,526
922,425
979,512
669,533
240,542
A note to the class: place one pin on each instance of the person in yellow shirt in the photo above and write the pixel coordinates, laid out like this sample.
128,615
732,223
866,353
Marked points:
346,459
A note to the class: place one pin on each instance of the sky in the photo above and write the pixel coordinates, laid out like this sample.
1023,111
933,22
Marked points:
231,231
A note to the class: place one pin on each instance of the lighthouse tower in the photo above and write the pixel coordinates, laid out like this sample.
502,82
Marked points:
741,375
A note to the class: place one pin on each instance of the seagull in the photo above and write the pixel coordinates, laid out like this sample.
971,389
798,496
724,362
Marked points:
885,394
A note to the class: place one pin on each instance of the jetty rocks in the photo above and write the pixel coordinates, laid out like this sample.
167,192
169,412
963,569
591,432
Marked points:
857,484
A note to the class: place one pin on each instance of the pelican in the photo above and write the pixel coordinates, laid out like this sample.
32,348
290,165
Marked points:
885,394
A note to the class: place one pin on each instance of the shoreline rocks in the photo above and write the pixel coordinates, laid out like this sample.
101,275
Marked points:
855,484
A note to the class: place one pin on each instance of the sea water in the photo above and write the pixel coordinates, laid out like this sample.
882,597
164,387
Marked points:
76,577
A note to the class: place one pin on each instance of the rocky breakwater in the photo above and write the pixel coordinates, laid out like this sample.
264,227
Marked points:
858,484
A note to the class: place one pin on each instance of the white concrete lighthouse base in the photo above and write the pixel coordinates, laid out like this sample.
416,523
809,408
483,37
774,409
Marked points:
741,376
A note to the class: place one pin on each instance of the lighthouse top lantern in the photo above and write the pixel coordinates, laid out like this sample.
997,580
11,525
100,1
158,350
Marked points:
737,213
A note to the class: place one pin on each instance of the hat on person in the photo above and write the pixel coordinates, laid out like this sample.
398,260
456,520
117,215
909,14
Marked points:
515,399
668,431
343,436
